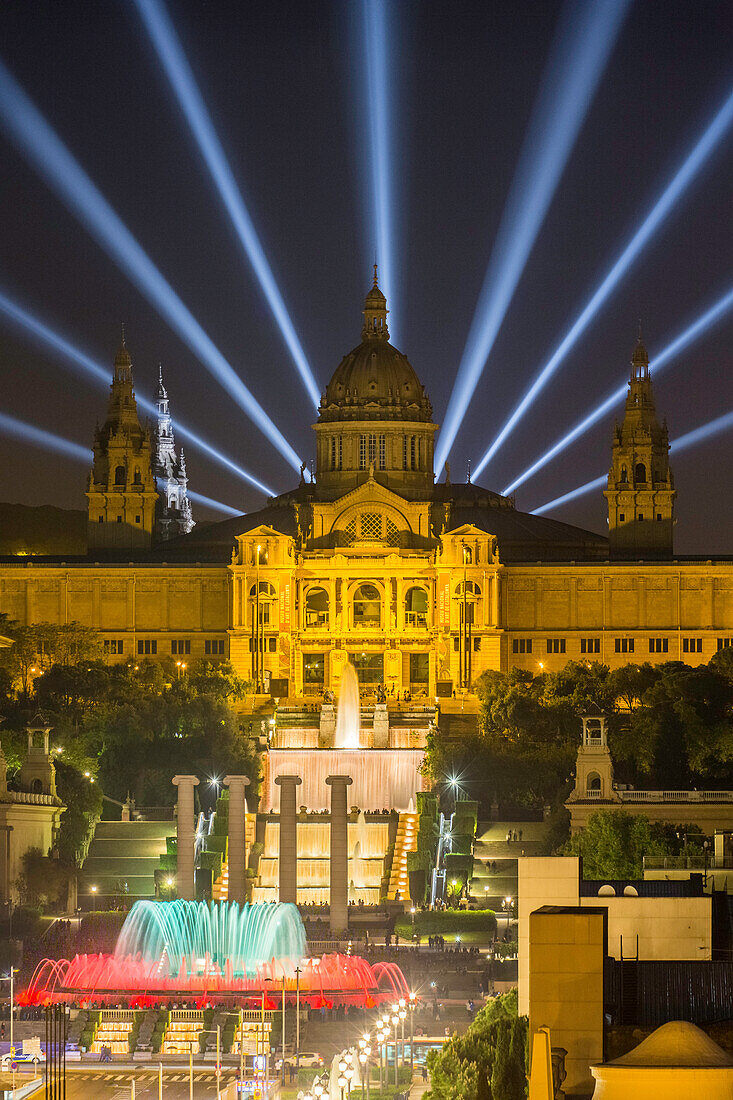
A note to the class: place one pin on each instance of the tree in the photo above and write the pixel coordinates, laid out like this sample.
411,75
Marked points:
614,843
43,881
492,1050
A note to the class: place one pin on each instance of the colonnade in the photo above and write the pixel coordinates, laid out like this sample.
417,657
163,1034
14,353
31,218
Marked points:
288,857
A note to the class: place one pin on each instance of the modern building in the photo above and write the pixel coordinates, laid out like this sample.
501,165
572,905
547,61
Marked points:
421,585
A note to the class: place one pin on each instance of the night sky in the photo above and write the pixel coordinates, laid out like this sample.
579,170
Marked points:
283,82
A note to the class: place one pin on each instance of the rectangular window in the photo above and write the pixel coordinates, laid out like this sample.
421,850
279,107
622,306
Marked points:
119,519
339,452
659,517
725,643
101,519
590,645
641,515
180,646
214,647
659,645
383,452
624,645
476,645
622,517
272,645
692,645
555,645
404,452
115,645
147,647
522,645
137,519
413,452
456,643
362,452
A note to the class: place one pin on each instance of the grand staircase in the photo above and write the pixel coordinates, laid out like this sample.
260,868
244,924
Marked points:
406,841
122,861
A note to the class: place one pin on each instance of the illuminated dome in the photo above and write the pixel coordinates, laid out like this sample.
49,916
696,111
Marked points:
375,381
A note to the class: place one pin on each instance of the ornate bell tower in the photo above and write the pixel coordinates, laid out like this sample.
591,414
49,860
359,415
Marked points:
640,490
122,493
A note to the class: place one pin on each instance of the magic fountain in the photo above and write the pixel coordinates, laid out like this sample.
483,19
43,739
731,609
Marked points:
213,952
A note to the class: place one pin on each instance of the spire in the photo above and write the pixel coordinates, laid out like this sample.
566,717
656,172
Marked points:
640,359
375,313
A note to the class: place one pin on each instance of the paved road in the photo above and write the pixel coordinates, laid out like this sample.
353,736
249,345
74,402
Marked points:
109,1083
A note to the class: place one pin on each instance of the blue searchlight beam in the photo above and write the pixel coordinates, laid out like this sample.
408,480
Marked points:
683,340
47,337
674,190
581,47
175,63
375,22
48,441
697,435
29,130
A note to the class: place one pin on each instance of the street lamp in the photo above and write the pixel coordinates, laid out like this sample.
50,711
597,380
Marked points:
402,1013
11,978
395,1024
412,1005
364,1052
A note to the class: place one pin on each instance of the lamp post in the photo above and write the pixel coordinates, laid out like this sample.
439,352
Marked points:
11,978
298,972
402,1013
395,1019
412,1005
364,1051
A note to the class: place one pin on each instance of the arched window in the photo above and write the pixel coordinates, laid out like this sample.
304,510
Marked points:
137,478
120,476
37,787
367,606
594,728
640,472
316,608
473,596
416,607
624,474
267,596
593,782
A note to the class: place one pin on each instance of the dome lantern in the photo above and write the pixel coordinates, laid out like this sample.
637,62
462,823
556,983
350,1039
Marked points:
375,313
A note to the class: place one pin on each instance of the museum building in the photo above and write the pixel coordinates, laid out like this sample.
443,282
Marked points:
421,585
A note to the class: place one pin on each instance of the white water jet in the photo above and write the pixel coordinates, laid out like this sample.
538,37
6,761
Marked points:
348,717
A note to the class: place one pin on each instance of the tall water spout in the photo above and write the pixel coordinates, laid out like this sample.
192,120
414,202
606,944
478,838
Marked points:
348,720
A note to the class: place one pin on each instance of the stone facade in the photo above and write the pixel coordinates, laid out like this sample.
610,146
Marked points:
422,585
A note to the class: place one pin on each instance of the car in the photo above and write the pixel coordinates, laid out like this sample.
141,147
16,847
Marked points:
307,1060
32,1058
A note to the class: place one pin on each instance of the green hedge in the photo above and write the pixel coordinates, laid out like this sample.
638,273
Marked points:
462,844
436,922
459,868
427,805
216,842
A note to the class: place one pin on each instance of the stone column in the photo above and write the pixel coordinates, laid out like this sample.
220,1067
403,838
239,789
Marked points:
287,875
381,726
327,726
339,896
235,857
185,885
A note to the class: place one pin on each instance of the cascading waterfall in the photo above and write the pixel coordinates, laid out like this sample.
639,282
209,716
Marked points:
348,717
380,777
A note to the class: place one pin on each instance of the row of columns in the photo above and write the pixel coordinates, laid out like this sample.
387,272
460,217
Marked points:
288,858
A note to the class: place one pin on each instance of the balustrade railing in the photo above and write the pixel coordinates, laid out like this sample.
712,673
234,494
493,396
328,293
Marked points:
676,796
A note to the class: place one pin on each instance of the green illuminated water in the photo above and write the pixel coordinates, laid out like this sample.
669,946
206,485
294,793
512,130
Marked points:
200,935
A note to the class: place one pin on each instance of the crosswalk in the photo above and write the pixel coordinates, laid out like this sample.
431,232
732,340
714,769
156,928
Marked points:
118,1078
